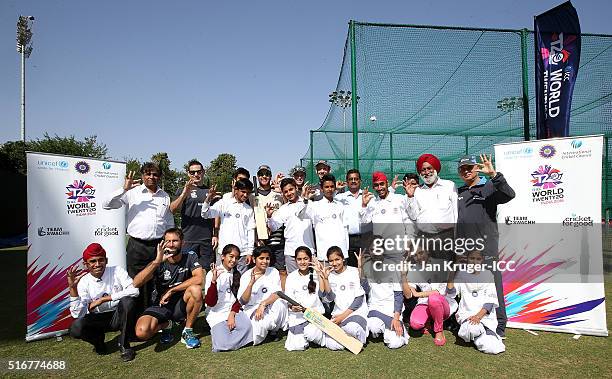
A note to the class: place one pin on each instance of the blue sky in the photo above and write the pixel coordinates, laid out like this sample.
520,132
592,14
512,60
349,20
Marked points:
196,79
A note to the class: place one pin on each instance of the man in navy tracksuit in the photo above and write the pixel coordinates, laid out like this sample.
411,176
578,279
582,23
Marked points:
477,215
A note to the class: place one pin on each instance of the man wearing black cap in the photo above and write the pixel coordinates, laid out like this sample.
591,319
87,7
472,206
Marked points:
298,173
477,214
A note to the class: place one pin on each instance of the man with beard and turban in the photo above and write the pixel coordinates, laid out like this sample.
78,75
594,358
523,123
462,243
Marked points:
433,205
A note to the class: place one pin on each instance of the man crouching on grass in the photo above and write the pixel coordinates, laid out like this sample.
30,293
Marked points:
102,299
177,291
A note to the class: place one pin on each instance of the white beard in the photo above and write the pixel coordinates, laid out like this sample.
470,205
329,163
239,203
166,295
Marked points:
431,179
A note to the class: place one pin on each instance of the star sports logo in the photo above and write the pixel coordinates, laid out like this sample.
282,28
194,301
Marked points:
80,191
556,53
546,177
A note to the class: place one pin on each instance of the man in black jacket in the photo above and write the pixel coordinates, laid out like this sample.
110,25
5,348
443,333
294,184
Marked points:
477,215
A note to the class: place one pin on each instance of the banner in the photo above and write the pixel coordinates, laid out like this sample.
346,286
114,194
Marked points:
551,232
64,216
557,57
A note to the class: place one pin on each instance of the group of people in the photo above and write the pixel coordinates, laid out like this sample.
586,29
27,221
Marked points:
235,251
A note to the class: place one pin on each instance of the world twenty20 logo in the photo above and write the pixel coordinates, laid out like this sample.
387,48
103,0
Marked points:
80,191
80,197
546,177
546,185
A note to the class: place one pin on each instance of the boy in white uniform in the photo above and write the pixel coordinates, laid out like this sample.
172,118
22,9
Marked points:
298,232
476,313
327,216
237,225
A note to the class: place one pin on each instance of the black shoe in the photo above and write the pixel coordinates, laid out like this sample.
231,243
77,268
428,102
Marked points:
100,348
127,354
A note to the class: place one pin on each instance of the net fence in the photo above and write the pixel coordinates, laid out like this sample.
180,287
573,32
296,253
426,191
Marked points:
448,92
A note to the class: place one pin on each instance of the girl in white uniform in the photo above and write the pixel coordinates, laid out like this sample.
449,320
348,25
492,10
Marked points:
257,294
476,314
341,284
303,285
386,305
230,329
433,305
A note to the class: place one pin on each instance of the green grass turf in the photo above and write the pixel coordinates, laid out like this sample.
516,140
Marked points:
547,355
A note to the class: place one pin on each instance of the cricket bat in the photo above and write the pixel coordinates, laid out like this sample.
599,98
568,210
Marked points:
260,214
326,326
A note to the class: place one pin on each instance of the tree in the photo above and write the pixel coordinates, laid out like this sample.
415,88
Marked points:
13,158
220,171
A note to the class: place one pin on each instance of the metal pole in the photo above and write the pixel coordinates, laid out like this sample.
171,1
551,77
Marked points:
525,85
605,187
354,96
23,135
344,135
391,152
311,156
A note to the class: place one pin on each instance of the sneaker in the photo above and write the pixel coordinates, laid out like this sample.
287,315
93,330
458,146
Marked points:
166,335
189,339
127,354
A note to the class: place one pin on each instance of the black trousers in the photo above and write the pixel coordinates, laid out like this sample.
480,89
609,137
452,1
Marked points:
139,254
92,326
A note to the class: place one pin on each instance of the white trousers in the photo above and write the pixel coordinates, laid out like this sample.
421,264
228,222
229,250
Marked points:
274,319
486,343
391,339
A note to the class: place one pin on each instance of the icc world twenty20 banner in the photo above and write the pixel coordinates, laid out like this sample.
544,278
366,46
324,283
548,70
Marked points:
64,216
557,57
551,232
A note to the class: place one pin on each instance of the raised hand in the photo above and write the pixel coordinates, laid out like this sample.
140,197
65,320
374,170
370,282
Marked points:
215,272
307,191
130,182
340,184
161,247
410,188
486,165
270,209
359,256
366,197
191,184
212,192
255,275
394,182
74,276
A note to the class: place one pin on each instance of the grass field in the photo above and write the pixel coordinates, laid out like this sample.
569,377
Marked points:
549,355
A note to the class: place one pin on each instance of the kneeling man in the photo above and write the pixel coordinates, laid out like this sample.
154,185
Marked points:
177,293
102,300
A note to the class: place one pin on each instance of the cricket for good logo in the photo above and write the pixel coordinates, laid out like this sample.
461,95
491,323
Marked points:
577,221
546,185
80,197
105,231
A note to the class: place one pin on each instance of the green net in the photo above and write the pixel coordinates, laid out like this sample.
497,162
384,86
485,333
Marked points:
448,92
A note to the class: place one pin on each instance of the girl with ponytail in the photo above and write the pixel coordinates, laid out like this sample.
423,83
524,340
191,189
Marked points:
302,285
230,328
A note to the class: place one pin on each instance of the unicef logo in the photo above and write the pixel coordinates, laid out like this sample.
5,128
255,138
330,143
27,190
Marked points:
576,144
82,167
63,164
106,165
528,150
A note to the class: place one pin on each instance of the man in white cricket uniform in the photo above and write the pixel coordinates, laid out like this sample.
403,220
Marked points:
327,216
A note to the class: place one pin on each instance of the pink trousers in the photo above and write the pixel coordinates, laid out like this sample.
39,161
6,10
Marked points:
437,310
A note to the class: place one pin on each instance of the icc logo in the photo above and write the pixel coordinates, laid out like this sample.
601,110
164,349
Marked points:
106,165
576,144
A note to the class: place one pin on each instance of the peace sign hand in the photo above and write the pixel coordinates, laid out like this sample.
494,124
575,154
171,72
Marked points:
366,197
486,165
410,188
270,209
212,192
130,182
394,182
74,277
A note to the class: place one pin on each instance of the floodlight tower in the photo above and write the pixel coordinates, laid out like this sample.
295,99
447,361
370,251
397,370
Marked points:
510,104
343,100
24,47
